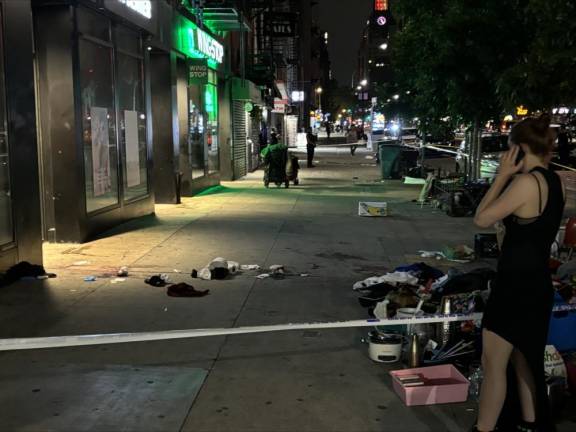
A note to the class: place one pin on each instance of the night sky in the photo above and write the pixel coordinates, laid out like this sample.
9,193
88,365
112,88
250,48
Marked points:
344,20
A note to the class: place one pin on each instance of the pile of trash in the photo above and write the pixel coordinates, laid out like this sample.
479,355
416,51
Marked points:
420,284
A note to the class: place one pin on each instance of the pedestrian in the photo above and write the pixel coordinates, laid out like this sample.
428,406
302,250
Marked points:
360,133
563,146
328,130
529,198
273,136
310,147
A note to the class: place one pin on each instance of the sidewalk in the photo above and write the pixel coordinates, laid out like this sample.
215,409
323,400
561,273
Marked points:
292,381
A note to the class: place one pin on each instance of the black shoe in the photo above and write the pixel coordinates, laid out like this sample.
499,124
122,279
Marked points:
524,426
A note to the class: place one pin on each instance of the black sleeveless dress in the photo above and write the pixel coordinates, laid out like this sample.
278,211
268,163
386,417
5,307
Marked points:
521,300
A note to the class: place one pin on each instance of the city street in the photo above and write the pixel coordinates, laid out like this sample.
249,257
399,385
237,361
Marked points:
290,381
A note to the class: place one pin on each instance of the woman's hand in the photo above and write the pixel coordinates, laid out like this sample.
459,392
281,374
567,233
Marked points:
508,166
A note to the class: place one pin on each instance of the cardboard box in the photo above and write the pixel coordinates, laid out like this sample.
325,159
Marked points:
372,209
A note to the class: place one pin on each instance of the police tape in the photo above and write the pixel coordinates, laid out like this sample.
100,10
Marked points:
15,344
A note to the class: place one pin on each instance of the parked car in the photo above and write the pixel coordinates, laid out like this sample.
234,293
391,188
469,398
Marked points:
493,146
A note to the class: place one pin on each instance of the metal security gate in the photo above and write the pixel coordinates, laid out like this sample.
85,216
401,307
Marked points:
239,139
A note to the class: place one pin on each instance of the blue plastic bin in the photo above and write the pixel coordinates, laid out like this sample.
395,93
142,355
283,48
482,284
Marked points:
562,331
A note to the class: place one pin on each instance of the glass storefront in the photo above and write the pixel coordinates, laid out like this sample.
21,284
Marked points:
211,105
132,113
113,111
6,222
197,132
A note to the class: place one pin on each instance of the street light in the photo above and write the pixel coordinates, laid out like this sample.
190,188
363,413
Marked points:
384,46
396,97
363,82
319,93
359,88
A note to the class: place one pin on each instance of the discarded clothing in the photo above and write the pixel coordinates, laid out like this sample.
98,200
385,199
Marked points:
25,270
422,271
476,280
158,280
250,267
185,290
391,278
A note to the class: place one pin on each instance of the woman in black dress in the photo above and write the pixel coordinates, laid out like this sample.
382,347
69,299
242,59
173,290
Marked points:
529,199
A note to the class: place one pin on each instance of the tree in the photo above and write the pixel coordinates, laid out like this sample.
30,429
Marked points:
452,53
543,76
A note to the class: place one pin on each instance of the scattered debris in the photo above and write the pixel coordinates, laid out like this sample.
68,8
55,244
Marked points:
263,276
117,280
25,270
122,272
414,181
218,268
158,280
250,267
304,275
390,278
89,278
185,290
80,263
372,209
177,271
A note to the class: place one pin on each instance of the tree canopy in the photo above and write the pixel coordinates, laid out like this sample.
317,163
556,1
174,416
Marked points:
473,60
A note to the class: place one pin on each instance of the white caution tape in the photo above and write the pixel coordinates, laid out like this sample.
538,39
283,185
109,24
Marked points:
14,344
101,339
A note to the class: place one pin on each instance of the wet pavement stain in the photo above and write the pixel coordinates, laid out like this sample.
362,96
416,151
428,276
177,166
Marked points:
338,256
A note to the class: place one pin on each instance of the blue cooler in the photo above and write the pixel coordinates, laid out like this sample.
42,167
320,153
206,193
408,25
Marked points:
562,331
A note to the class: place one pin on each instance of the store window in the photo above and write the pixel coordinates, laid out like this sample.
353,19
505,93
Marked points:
98,122
6,223
132,114
211,105
197,131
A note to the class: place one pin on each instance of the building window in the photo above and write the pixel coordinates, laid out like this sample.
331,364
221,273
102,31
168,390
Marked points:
132,114
6,222
98,124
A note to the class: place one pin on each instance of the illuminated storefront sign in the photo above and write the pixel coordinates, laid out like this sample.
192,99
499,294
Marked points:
143,7
381,20
196,43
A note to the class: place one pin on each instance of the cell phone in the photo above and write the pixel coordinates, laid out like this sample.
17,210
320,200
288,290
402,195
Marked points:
520,155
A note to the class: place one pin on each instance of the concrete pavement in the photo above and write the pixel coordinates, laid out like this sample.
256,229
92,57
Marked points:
294,381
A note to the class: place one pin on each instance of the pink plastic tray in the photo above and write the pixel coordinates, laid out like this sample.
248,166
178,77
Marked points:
443,384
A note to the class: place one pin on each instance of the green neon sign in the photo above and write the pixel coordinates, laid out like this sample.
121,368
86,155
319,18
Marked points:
196,43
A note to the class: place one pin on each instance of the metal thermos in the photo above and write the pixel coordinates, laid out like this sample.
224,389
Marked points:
445,328
414,353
